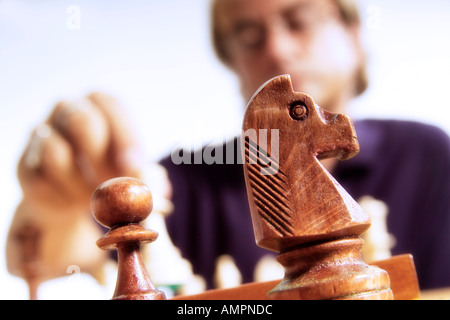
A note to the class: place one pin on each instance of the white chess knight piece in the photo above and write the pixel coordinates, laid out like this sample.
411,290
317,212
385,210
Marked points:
163,260
378,240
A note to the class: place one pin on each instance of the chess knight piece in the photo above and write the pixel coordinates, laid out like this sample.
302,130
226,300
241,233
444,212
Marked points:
298,209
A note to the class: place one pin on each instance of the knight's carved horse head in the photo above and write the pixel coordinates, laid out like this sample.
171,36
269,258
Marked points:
292,197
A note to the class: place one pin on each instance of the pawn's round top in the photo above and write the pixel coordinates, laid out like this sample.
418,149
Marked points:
121,201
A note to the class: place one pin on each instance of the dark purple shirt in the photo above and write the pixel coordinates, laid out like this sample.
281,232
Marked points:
404,164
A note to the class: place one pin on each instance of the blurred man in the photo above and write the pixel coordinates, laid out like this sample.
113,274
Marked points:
317,42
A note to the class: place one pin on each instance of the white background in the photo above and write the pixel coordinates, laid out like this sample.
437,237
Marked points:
156,57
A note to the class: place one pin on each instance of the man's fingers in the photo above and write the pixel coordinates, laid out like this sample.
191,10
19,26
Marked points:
87,130
126,149
47,170
83,143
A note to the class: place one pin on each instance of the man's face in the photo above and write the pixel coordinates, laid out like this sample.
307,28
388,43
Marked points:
303,38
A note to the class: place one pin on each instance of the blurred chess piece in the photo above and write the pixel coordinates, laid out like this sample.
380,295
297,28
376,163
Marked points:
29,237
227,274
268,269
164,262
378,241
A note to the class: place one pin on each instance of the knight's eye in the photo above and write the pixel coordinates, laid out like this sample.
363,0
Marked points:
298,111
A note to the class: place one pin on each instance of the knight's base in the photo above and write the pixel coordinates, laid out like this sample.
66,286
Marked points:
330,270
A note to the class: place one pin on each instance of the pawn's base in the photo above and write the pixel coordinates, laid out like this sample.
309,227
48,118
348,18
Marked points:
152,295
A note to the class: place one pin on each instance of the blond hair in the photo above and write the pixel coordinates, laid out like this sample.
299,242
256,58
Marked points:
349,13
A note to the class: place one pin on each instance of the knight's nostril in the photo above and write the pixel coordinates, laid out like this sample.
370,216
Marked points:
333,117
328,117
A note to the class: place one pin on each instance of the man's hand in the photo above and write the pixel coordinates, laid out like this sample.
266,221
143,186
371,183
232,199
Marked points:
80,145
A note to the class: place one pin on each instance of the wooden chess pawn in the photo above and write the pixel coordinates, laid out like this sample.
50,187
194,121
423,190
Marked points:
121,204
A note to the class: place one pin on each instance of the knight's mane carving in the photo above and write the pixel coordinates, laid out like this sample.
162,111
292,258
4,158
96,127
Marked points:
268,188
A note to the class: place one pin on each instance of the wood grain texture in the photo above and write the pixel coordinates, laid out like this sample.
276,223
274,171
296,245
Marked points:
121,204
298,209
400,268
